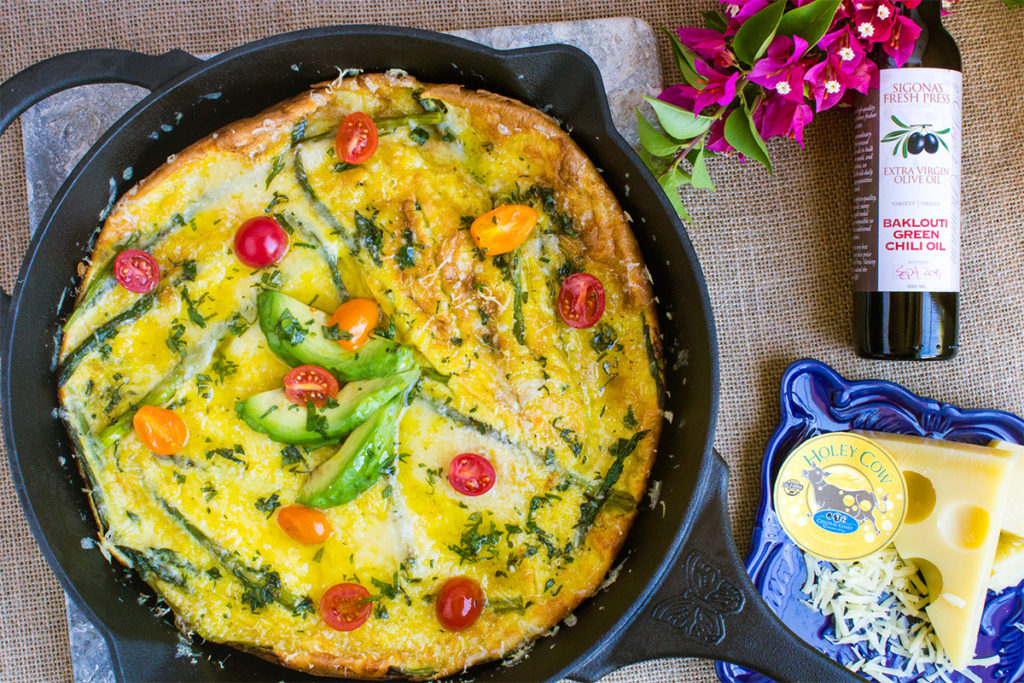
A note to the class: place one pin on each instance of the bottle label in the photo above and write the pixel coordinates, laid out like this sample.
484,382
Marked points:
906,215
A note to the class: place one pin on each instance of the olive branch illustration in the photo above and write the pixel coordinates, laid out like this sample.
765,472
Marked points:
916,138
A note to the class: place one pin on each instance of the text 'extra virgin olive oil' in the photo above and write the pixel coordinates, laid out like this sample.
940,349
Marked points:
906,213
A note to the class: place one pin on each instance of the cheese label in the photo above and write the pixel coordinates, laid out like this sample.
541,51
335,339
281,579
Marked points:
840,497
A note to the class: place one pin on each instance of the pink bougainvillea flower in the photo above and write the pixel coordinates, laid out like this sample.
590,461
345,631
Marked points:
708,44
680,95
864,77
845,44
715,88
715,140
781,69
738,11
873,19
829,82
902,38
779,116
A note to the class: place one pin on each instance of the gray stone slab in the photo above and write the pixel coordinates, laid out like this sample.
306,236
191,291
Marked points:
57,132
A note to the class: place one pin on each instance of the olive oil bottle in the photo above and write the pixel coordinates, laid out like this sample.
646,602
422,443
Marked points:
906,214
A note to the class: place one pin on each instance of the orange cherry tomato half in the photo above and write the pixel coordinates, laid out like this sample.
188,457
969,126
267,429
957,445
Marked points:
471,474
260,242
310,383
355,319
501,230
303,524
162,430
459,603
136,270
581,300
345,606
357,138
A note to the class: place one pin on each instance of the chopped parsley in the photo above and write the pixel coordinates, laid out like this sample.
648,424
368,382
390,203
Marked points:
629,422
289,329
268,504
276,166
334,333
369,236
291,457
229,454
474,545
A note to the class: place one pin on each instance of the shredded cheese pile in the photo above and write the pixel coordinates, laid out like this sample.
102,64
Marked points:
877,605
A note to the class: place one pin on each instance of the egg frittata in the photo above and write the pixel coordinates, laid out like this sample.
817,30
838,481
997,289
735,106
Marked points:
368,384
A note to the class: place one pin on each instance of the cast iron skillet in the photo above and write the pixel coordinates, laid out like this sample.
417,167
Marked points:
683,590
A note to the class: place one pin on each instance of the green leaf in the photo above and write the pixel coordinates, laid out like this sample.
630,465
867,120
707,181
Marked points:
943,143
895,135
905,146
900,123
741,133
757,32
941,132
670,182
656,165
699,175
715,20
810,22
653,140
678,122
685,59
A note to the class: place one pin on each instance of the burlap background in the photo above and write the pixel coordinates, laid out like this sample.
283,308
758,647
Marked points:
775,250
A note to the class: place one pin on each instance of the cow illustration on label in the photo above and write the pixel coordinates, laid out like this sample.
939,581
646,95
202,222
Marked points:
842,510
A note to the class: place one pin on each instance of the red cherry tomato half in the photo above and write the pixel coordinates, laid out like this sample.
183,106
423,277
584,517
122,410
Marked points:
345,607
581,300
310,383
459,603
471,474
260,241
357,138
136,270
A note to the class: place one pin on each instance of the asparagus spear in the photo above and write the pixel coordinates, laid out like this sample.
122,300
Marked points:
102,333
262,586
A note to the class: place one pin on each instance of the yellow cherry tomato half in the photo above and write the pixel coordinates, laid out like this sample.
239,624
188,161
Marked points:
162,430
305,525
355,320
501,230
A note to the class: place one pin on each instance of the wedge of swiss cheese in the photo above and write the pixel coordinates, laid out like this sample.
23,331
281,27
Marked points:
956,502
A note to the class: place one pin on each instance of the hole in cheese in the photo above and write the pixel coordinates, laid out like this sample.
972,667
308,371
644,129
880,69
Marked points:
920,497
932,576
965,526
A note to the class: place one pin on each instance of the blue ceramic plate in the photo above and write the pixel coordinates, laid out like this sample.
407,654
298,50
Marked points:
816,400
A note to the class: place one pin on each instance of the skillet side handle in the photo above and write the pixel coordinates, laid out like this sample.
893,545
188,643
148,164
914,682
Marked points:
84,67
708,607
71,69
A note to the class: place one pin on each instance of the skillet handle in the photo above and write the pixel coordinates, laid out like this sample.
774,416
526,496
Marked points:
84,67
71,69
708,607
